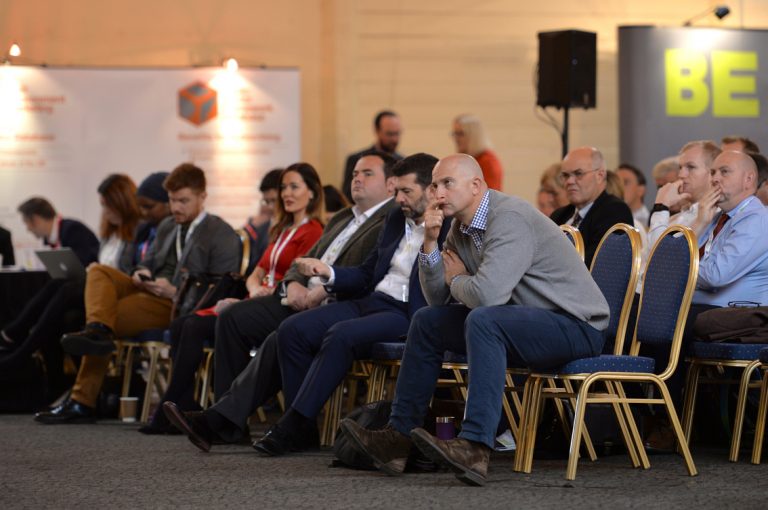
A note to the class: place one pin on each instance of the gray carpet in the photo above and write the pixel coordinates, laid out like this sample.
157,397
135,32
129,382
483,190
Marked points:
110,465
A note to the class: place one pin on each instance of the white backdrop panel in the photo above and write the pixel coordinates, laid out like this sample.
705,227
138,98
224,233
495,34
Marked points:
63,130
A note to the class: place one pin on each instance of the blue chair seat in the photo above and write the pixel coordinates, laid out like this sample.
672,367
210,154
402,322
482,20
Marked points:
387,351
608,363
707,350
764,355
152,335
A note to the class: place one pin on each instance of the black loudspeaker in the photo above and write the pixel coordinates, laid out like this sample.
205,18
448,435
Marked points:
567,69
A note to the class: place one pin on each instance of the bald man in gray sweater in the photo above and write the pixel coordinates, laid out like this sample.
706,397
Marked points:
508,286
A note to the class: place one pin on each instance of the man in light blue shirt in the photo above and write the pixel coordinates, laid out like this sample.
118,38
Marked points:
733,245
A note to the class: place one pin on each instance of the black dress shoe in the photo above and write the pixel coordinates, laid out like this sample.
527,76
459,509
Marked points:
68,412
96,340
192,424
275,442
278,441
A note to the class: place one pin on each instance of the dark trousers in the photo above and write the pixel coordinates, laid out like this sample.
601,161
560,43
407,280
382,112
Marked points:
259,381
530,337
42,322
189,335
241,327
316,348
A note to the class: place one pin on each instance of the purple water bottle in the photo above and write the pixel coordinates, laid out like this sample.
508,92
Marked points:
444,428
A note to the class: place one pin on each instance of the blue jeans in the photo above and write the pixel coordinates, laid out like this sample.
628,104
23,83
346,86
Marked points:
491,337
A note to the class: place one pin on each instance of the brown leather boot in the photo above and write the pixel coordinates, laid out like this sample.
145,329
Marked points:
467,459
387,448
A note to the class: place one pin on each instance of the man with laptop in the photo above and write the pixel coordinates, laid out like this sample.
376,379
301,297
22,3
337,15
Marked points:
121,306
43,222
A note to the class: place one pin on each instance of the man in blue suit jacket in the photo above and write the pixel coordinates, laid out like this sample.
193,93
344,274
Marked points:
43,222
316,348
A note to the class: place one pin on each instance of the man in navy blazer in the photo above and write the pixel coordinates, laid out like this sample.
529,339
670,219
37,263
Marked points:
316,348
592,210
43,222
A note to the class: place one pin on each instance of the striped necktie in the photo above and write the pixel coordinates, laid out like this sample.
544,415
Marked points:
576,220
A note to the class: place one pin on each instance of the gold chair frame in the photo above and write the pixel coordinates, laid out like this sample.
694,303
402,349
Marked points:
693,380
762,409
360,371
615,394
575,237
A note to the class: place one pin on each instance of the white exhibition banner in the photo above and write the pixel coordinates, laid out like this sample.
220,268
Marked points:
63,130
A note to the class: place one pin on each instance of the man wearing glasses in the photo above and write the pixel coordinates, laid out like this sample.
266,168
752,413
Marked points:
591,209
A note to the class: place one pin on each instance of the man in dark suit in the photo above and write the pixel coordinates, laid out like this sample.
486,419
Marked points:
387,128
121,306
316,348
43,222
591,209
6,247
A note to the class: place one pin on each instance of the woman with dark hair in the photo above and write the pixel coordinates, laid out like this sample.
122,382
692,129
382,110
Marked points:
298,226
120,216
60,302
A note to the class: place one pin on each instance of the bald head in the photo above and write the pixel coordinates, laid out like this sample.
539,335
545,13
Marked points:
734,173
463,165
458,186
583,175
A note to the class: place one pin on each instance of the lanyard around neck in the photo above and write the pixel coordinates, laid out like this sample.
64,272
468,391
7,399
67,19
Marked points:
277,250
192,227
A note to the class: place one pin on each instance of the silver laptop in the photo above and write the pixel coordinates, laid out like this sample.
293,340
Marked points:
62,263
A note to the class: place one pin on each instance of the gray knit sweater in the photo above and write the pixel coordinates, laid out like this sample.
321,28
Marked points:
525,260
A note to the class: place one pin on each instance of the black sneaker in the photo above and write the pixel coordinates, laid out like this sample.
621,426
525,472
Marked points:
96,340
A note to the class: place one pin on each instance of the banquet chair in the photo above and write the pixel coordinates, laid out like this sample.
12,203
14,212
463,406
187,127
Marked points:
719,357
615,269
667,290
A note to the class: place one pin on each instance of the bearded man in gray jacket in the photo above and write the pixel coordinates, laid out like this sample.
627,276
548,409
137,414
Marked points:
508,286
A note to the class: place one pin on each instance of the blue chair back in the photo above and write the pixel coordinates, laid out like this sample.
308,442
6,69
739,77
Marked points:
668,286
615,267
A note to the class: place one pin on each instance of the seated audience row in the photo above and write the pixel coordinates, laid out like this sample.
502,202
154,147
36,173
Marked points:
431,265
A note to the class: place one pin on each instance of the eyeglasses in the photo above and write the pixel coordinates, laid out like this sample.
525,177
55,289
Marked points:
562,177
268,202
457,134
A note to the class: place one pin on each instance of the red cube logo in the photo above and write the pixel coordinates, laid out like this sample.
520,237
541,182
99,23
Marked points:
197,103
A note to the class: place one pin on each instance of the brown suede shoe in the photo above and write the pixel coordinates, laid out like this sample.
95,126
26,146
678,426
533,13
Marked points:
467,459
387,448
